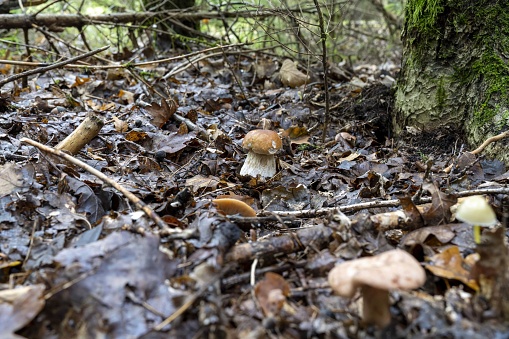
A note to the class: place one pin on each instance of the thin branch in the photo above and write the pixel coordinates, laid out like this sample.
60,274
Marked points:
134,199
323,39
311,213
53,66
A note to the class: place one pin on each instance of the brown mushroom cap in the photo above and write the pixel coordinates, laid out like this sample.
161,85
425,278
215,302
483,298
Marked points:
262,141
230,206
390,270
475,210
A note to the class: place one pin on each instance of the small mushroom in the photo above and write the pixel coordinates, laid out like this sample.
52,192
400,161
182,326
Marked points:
229,206
375,276
262,146
476,211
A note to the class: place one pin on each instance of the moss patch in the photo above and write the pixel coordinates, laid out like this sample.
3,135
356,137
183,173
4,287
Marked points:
422,15
493,71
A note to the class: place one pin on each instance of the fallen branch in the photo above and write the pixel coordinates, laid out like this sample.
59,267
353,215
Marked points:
483,146
11,21
489,141
53,66
134,199
317,236
312,213
82,135
136,64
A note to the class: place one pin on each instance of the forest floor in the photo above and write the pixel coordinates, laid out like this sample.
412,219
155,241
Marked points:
93,264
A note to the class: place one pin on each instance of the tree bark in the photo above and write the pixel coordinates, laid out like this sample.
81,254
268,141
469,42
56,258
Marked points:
455,69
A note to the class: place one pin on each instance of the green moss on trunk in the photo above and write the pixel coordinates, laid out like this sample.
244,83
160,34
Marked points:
455,67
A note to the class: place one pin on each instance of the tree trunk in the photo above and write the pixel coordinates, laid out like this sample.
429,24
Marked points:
455,69
185,28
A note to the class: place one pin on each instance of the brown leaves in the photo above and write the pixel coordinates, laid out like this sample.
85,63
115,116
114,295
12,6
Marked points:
291,76
163,112
440,209
109,277
271,293
449,264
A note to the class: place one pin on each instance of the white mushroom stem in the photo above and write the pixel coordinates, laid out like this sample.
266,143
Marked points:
264,165
375,306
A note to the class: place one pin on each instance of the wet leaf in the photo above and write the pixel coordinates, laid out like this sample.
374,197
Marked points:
293,198
118,271
171,143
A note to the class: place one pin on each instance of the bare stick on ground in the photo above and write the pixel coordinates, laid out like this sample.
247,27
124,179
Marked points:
134,199
82,135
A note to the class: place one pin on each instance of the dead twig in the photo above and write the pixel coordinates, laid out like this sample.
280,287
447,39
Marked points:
312,213
50,67
134,199
316,236
190,300
489,141
483,146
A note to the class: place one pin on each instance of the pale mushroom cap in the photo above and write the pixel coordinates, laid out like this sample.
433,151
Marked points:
262,141
391,270
475,210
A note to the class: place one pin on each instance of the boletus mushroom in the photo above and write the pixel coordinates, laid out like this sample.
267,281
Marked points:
262,146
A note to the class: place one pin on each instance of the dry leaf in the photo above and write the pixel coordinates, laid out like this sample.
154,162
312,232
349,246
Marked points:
80,81
18,307
10,178
271,293
291,76
450,265
297,135
440,210
136,136
120,125
162,113
201,182
127,96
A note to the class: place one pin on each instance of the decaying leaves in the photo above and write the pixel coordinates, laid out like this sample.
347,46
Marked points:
18,307
291,76
271,293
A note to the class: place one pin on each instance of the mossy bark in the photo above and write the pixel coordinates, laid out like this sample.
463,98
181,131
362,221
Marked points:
455,69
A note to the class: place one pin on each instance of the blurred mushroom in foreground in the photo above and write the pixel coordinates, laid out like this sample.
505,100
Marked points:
476,211
375,276
262,146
